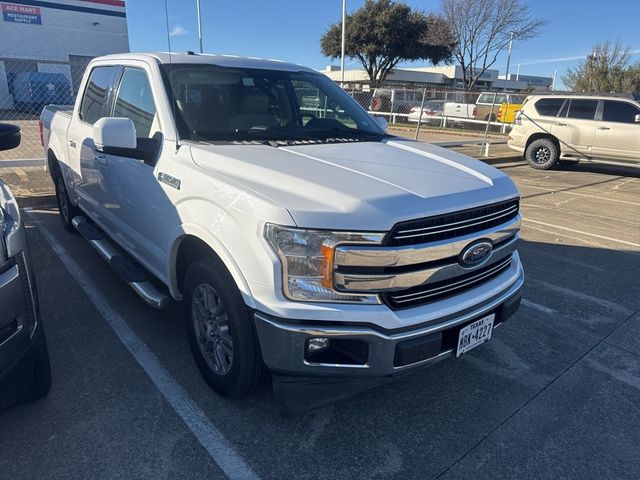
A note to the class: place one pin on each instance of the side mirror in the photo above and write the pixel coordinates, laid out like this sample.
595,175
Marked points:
382,122
9,136
110,133
638,118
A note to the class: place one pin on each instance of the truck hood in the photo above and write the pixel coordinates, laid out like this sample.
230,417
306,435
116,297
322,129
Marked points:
365,186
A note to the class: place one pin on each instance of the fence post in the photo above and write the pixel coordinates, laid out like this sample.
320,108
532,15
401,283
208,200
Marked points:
393,99
424,94
443,119
484,150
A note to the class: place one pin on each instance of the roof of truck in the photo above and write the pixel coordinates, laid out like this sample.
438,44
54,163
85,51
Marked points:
209,59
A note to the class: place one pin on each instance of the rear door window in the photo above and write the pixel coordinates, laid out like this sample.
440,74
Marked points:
96,95
621,112
548,107
583,109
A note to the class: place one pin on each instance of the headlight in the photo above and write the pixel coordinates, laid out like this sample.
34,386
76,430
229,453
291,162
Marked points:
307,262
11,236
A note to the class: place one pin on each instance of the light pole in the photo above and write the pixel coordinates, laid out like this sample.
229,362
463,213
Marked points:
506,78
199,24
344,21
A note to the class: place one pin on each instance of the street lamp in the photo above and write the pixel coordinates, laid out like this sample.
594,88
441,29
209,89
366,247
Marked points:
344,21
199,24
506,78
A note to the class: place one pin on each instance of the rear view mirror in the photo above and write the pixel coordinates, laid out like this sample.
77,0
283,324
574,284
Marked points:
9,136
637,118
382,122
114,133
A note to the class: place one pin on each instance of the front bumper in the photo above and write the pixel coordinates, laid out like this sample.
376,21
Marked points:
367,351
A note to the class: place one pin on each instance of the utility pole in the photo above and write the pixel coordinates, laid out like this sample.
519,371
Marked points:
199,24
506,78
344,21
518,73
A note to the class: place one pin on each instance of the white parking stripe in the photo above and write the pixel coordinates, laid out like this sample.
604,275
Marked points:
535,306
624,242
194,418
597,197
582,296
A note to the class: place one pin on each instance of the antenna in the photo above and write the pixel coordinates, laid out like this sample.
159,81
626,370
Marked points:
173,100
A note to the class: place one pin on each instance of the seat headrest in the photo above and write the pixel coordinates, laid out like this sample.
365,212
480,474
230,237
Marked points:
253,101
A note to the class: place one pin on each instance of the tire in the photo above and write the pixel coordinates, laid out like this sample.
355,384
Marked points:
41,383
220,330
66,209
542,154
490,118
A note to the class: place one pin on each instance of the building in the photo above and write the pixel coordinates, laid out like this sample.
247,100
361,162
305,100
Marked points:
47,37
449,76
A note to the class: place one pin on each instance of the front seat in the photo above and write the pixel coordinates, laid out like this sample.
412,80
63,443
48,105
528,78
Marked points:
253,111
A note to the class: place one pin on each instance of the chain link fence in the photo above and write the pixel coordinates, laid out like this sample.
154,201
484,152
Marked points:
26,86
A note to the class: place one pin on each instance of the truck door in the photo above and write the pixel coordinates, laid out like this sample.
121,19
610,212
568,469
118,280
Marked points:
575,126
618,133
84,178
139,210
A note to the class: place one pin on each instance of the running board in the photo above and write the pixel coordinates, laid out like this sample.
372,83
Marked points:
135,276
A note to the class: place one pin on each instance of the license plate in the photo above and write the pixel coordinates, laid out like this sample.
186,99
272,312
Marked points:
475,334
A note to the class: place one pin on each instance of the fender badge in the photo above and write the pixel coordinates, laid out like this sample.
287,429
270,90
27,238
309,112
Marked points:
169,180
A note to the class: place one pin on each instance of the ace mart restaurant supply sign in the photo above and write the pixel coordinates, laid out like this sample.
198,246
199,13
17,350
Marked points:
21,14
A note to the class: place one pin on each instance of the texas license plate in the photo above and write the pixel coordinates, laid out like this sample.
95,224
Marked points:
475,334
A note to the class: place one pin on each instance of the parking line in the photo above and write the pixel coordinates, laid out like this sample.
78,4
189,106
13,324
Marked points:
582,296
597,197
583,233
536,306
194,418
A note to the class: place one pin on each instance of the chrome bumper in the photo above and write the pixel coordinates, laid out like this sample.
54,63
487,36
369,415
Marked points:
283,342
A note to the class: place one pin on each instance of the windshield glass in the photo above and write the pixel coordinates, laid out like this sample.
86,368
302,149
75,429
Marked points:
220,103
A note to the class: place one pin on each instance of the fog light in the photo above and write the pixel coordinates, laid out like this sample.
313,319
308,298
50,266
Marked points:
315,345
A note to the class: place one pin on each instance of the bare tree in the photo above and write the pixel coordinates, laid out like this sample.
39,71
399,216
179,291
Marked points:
607,69
483,29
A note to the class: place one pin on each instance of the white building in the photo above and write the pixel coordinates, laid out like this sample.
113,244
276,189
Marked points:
448,75
58,36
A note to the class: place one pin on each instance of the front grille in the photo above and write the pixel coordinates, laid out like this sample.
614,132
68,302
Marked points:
451,225
434,291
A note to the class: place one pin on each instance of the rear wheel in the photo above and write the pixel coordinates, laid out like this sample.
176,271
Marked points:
221,335
542,154
66,209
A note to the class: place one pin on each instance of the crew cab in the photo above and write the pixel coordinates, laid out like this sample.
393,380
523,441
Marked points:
305,242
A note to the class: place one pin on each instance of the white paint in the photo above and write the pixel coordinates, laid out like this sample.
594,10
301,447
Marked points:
597,197
214,442
602,237
536,306
582,296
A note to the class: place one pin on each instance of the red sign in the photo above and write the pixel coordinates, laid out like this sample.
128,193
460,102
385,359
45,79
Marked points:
10,7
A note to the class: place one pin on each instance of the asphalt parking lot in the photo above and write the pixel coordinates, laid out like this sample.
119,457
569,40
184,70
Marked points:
554,394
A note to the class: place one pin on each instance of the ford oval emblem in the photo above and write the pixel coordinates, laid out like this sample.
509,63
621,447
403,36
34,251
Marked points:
475,253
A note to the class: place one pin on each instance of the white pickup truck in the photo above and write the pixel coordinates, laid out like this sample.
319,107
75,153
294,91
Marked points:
305,243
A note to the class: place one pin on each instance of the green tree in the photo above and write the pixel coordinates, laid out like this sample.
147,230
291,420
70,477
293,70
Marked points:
608,69
383,33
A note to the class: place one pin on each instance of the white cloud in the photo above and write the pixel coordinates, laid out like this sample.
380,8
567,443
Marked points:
178,30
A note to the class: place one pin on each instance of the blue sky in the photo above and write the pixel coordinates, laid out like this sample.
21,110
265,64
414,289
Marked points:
290,29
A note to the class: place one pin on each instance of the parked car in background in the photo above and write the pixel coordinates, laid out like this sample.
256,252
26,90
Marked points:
431,112
552,128
490,104
460,105
25,374
34,90
394,100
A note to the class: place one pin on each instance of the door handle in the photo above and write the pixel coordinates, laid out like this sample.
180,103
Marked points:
72,143
101,158
604,128
559,124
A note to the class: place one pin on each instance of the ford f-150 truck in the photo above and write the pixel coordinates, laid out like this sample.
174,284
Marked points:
306,243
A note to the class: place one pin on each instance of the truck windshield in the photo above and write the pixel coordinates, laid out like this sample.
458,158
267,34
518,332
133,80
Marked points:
230,104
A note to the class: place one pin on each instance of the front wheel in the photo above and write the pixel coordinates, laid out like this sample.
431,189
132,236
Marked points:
221,335
542,154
